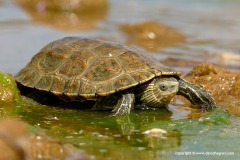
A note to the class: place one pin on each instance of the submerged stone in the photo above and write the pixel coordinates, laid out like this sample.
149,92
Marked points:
152,35
77,15
155,132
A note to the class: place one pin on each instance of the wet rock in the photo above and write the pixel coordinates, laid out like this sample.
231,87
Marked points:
67,15
152,35
11,132
230,56
8,89
40,146
17,144
224,85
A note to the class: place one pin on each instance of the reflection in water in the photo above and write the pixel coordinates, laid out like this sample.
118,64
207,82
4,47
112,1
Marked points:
74,15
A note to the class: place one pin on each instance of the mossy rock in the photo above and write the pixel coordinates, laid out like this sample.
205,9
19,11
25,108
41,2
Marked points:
9,92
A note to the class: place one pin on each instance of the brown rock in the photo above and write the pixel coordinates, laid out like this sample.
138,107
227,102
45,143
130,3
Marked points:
11,131
17,144
75,15
152,35
224,85
40,146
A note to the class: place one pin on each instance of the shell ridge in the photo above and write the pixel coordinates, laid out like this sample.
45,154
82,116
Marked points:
88,68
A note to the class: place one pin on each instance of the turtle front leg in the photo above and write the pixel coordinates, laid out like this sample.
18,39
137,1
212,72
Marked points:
196,95
121,103
124,105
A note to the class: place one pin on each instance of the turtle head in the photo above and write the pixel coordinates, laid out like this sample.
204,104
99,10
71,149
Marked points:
159,92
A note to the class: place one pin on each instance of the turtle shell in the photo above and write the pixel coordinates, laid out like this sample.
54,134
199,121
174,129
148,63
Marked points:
88,68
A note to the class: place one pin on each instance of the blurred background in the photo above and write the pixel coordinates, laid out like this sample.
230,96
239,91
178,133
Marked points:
180,33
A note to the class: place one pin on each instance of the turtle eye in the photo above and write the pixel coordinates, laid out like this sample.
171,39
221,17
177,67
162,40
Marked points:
163,87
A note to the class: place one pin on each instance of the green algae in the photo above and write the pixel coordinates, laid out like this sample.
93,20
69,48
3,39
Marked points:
8,89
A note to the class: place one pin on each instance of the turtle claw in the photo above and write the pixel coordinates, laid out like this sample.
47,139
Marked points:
208,106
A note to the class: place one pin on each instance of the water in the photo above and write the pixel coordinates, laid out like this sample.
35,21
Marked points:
212,28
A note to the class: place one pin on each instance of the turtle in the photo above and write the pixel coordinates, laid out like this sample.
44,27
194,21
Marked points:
113,75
